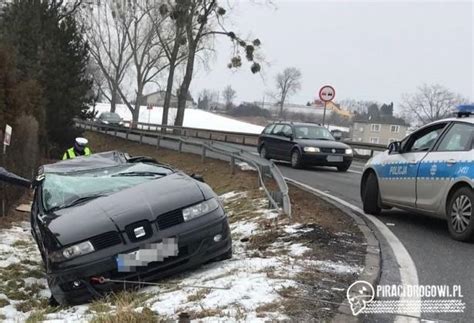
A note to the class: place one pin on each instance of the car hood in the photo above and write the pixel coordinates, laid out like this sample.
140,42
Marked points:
321,143
113,212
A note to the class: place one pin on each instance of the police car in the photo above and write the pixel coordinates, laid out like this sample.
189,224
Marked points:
430,172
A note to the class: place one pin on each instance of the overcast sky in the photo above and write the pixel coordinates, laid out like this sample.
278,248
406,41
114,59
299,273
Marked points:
368,50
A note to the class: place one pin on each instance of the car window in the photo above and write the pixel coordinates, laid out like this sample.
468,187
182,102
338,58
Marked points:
458,138
277,130
287,131
268,129
312,132
424,139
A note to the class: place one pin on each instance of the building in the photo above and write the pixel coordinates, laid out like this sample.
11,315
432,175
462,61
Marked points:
379,130
157,99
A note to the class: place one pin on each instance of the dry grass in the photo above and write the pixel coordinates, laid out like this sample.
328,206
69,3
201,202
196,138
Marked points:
199,295
216,173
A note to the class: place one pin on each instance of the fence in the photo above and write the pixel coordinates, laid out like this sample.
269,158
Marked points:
184,136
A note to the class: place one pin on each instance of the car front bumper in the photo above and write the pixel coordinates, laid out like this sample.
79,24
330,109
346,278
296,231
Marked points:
196,247
321,159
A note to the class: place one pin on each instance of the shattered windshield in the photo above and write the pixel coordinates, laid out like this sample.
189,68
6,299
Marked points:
69,189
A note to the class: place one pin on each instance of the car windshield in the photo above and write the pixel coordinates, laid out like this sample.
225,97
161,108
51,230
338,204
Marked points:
110,116
65,190
312,132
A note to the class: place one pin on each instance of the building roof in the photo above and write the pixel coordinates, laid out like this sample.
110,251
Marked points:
383,119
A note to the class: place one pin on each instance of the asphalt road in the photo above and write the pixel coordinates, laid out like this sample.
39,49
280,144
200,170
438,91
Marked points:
438,258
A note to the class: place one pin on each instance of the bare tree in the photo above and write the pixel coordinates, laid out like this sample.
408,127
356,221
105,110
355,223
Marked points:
430,103
288,83
169,27
203,20
140,58
108,44
229,95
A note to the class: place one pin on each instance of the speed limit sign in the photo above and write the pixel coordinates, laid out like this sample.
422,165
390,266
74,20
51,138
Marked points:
327,93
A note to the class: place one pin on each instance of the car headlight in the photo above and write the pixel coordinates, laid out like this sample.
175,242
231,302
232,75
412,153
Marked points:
349,151
200,209
105,122
311,149
74,251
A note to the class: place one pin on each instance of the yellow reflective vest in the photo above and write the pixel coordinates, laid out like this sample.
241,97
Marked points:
70,153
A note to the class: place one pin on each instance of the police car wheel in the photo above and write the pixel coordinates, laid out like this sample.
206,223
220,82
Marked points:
460,214
296,159
370,197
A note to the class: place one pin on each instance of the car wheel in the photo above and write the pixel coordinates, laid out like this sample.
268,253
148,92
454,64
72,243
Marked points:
263,152
343,168
296,159
371,195
460,212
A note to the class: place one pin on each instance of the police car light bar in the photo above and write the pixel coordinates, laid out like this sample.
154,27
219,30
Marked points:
465,110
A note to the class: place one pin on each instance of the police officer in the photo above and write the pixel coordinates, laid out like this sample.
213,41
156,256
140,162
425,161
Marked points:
79,149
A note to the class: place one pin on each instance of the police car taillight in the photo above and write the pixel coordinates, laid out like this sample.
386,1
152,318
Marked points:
465,110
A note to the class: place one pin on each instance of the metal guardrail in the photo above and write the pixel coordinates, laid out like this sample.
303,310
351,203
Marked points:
266,169
241,138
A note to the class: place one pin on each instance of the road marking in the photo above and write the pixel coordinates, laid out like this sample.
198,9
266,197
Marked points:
407,268
354,171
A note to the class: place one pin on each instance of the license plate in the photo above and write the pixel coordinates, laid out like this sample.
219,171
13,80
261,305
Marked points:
335,158
154,252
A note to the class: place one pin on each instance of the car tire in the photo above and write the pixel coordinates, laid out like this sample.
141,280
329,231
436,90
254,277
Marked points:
371,195
343,168
296,159
460,214
263,152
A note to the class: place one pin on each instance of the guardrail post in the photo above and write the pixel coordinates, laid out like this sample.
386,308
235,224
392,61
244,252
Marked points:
225,138
127,133
158,142
180,146
115,133
243,140
371,153
232,164
203,154
210,135
91,126
141,138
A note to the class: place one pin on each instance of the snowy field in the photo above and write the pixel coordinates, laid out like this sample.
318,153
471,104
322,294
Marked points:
193,118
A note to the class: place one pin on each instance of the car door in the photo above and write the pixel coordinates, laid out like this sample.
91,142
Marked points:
399,170
272,141
286,143
450,158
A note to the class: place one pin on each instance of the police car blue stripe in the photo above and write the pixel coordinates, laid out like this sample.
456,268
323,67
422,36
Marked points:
426,170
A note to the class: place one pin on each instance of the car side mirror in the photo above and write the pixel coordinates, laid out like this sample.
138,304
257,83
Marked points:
394,147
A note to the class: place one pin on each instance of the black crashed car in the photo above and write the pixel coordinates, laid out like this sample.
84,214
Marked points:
107,218
304,144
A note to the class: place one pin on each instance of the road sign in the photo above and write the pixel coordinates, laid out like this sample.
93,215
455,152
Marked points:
8,135
327,93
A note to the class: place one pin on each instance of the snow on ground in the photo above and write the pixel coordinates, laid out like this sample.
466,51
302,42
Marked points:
250,281
193,118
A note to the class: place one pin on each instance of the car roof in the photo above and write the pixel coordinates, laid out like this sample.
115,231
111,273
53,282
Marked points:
95,161
291,123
